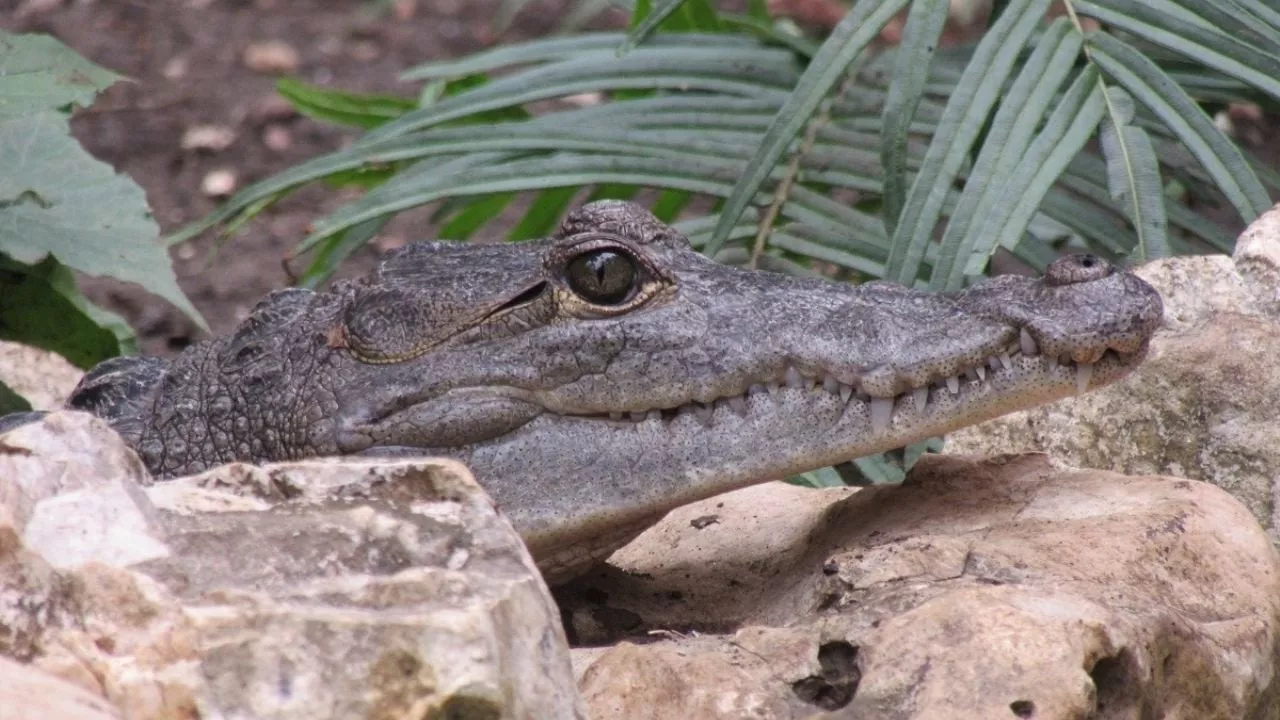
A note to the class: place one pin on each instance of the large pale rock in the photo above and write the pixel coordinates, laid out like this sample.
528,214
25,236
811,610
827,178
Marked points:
322,589
45,379
28,694
1203,406
998,588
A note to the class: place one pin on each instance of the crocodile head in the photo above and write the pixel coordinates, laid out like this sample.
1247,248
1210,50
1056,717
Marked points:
599,378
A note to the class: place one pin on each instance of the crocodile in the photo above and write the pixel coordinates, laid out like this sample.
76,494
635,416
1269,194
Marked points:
598,378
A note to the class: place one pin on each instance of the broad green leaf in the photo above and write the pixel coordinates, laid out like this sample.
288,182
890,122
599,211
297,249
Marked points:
11,402
40,306
962,121
911,70
57,199
857,30
1133,174
1220,157
39,73
343,108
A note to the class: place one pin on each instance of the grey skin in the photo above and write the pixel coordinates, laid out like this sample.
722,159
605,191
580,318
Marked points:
599,378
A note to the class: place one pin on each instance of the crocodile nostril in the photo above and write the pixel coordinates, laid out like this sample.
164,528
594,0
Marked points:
1077,268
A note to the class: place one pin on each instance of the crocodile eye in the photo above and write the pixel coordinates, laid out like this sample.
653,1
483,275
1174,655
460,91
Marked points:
603,277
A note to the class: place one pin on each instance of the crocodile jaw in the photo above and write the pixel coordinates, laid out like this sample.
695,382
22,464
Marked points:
799,395
575,518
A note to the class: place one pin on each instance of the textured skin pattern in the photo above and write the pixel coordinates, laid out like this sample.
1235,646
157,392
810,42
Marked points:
583,419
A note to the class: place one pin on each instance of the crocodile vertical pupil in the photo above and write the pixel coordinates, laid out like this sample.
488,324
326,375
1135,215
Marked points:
603,277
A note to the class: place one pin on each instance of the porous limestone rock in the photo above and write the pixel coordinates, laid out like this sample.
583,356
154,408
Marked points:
318,589
43,378
28,694
996,588
1203,406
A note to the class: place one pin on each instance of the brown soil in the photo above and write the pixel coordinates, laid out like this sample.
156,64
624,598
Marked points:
187,60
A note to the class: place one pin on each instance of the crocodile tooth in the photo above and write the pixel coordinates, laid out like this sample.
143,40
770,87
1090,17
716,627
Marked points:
654,414
994,363
881,413
773,387
615,415
846,392
794,380
953,384
640,415
1050,364
1028,343
739,405
1006,361
921,396
1084,371
756,389
981,372
831,385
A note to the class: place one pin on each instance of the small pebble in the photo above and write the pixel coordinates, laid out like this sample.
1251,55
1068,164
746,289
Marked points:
213,138
218,183
272,57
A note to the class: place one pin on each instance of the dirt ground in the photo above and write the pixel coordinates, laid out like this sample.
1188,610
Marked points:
190,70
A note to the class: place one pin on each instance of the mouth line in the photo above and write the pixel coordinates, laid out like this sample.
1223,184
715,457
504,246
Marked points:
881,410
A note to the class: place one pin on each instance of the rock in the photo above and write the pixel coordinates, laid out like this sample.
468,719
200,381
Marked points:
979,588
218,183
212,138
1191,410
271,57
28,694
336,589
43,378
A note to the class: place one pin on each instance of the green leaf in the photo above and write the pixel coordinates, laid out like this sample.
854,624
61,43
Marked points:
343,108
476,213
11,402
57,199
331,254
911,70
1133,175
40,306
966,113
1065,132
1021,112
39,73
646,19
544,214
857,30
1150,20
1220,157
